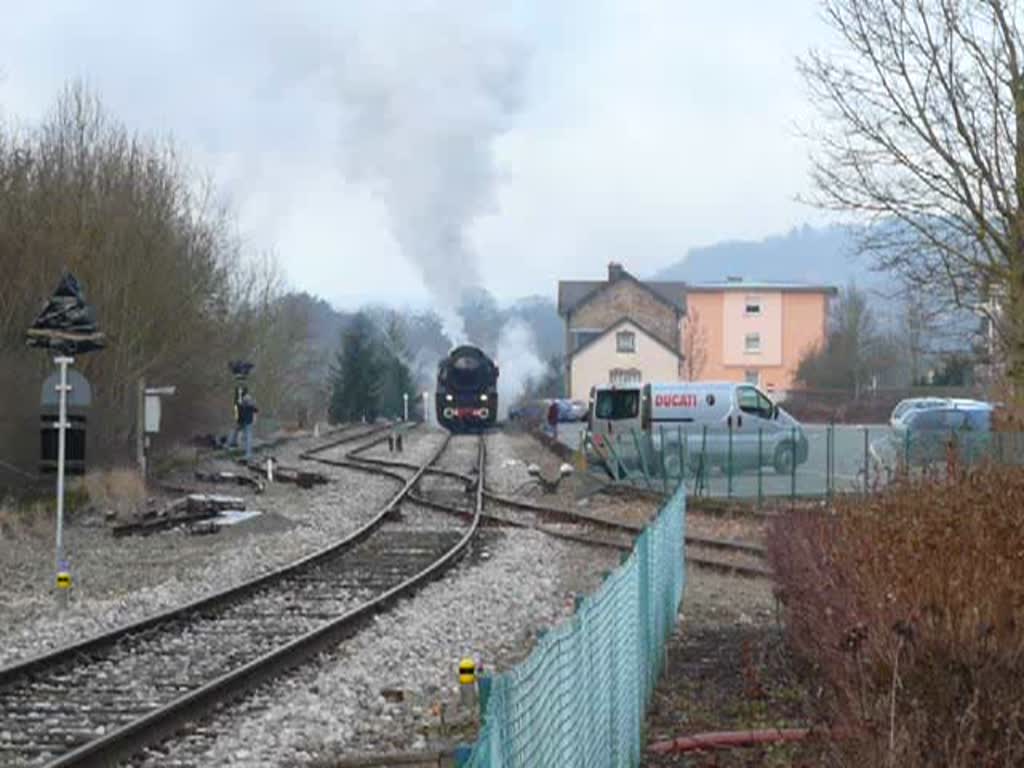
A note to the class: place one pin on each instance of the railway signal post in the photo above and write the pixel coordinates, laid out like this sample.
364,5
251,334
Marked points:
63,573
66,326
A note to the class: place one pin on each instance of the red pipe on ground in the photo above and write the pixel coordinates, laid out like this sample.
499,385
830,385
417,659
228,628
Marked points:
727,739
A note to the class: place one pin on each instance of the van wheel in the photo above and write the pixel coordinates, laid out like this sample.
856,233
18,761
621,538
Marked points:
784,458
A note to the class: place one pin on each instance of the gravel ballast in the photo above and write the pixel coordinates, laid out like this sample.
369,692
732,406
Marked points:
388,688
490,607
125,579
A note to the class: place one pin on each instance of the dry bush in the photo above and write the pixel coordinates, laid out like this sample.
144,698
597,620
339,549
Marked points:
910,606
25,519
118,490
163,266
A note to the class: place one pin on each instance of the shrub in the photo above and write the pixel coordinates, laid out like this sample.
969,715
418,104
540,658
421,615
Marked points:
909,604
117,490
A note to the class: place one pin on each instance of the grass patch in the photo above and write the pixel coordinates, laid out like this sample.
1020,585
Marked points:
116,490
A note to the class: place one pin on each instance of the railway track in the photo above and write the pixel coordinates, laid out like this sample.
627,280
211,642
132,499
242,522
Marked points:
720,555
107,698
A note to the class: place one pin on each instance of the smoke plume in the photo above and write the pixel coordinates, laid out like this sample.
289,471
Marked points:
518,362
425,91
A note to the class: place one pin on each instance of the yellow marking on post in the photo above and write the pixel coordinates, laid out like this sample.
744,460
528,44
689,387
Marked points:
63,580
467,672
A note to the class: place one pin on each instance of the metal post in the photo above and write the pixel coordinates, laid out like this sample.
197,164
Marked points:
792,463
760,465
703,456
643,461
405,406
867,466
63,580
681,449
426,407
140,429
664,473
828,461
728,482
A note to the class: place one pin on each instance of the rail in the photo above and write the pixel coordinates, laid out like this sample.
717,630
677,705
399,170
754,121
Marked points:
161,722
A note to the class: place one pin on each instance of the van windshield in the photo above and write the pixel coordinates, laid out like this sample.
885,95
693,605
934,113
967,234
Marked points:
617,404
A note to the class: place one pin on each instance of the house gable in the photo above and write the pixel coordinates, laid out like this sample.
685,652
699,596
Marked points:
600,360
627,297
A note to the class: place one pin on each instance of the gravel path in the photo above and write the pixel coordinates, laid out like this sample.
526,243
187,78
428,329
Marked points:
728,669
126,579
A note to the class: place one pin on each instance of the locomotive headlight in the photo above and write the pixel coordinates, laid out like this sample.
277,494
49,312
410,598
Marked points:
483,398
449,398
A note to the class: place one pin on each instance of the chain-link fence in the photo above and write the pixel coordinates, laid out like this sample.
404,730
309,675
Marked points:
581,697
808,461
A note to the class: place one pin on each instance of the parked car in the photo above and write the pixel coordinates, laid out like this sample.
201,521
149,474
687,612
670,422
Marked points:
926,435
906,407
572,410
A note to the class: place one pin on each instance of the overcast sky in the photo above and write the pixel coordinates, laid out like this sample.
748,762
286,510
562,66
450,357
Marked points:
361,140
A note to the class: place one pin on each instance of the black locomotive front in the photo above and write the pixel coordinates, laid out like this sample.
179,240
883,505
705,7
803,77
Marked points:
467,396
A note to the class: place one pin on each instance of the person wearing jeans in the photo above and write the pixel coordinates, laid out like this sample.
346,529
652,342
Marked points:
247,411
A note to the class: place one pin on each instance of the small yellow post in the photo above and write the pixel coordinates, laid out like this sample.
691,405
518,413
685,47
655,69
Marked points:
580,460
63,580
467,682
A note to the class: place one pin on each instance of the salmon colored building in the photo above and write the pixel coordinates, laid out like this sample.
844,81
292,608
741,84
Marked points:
624,330
755,332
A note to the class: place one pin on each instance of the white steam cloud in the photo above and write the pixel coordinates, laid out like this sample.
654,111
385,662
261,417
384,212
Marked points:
517,361
425,91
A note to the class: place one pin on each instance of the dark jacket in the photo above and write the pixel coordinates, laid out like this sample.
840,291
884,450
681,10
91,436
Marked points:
247,411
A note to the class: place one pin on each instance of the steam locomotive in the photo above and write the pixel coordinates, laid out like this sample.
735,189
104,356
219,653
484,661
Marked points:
466,397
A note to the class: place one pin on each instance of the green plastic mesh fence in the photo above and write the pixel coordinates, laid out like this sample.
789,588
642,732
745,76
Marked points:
580,698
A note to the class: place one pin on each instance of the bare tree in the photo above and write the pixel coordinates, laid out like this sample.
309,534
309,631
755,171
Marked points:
923,137
695,345
853,352
916,328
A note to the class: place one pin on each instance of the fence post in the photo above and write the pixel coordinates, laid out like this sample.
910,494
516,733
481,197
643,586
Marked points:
867,466
760,465
792,464
661,453
643,460
728,481
681,449
616,461
703,456
828,461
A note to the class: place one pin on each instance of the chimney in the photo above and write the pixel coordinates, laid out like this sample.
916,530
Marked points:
615,271
733,279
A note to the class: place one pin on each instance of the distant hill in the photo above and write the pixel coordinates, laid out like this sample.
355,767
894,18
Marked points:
804,254
809,254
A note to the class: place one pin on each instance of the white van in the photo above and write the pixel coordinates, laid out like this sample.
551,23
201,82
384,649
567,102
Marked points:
719,423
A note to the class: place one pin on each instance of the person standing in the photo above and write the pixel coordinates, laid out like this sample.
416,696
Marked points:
247,411
553,418
236,430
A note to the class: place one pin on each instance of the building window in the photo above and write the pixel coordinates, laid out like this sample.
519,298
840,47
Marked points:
625,341
620,376
752,343
752,306
581,336
753,376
